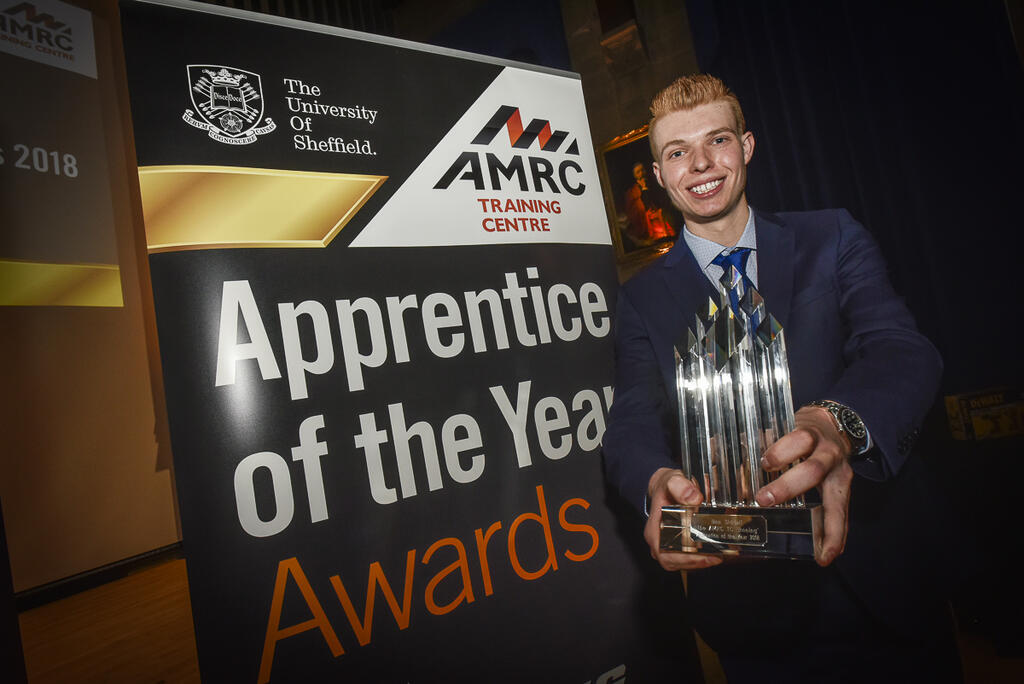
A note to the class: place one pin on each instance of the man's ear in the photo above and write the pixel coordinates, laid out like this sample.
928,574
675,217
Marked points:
657,173
748,147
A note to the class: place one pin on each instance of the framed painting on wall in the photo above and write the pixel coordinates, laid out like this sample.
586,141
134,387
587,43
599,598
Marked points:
643,221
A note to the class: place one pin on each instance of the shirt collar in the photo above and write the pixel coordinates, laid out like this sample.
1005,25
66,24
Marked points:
704,250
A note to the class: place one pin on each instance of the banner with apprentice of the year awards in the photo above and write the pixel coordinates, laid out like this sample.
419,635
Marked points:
383,287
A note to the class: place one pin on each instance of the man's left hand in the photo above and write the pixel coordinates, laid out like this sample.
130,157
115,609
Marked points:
825,453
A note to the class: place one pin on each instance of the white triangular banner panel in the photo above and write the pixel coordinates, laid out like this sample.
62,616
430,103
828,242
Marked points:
478,187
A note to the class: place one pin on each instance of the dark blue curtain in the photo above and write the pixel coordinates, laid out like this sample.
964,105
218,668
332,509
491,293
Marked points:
908,114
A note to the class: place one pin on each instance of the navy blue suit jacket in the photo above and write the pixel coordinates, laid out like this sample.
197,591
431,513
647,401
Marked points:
850,338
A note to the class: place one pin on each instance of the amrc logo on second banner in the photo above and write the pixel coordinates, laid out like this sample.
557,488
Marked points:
36,29
228,103
525,172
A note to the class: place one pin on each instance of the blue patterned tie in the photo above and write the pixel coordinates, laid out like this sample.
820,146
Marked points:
738,258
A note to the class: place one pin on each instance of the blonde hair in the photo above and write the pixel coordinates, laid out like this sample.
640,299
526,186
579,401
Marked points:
688,92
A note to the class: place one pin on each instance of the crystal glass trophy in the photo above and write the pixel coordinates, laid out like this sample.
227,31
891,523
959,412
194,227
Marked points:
732,383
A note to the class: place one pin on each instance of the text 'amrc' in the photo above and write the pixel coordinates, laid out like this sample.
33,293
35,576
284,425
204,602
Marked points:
536,173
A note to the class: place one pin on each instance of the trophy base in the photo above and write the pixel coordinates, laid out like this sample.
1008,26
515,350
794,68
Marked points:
749,531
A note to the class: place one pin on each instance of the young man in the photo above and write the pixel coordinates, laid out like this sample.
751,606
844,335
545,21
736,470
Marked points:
869,602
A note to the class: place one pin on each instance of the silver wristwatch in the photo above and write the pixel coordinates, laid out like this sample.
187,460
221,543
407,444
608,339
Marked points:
847,422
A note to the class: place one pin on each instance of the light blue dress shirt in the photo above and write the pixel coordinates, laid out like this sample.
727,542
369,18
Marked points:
704,251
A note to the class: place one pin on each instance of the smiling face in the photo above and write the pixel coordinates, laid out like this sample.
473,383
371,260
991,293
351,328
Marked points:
702,164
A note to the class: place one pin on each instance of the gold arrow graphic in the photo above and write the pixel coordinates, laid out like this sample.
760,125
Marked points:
208,207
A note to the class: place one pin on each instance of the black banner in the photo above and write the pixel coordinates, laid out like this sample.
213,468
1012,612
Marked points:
383,286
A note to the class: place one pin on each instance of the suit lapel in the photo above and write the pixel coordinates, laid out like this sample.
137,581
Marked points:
775,263
685,280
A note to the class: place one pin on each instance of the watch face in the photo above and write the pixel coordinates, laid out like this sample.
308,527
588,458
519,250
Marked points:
853,424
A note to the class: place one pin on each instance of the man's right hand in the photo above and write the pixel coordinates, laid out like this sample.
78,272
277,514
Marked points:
667,487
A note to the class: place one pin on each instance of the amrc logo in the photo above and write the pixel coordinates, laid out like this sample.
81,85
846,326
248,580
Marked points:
527,172
25,24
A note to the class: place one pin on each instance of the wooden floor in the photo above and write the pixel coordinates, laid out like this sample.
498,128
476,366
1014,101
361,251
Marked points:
138,630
